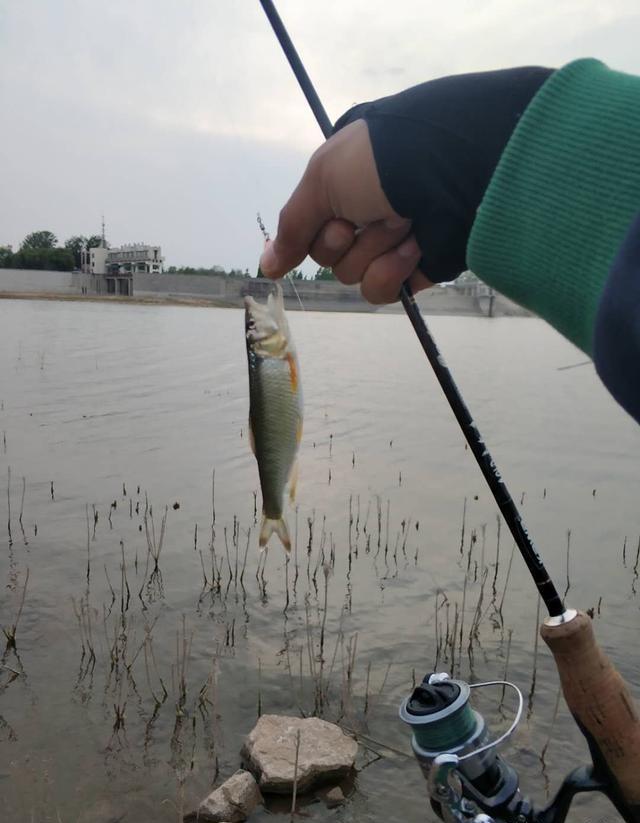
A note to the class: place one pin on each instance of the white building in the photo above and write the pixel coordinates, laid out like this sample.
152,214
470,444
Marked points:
125,260
113,268
96,258
134,257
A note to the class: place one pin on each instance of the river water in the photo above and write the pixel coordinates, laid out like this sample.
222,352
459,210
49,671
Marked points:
130,688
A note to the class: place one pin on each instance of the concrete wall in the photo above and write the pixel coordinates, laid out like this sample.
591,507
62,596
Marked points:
35,281
180,285
441,300
29,281
314,296
318,296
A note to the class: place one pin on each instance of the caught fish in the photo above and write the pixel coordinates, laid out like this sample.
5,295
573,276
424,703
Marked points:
275,408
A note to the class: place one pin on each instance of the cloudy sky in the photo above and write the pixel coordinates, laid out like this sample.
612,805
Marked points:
179,119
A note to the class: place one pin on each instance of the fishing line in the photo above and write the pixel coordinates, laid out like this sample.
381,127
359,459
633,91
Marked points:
265,234
469,428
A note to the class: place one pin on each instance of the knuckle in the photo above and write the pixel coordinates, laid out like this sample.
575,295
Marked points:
372,292
348,273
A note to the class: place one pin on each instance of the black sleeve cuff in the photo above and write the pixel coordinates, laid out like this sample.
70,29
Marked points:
436,146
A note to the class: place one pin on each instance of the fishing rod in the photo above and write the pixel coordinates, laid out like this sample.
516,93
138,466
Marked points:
487,466
438,710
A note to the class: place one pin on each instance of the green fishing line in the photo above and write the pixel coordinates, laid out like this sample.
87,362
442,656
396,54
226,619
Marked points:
447,732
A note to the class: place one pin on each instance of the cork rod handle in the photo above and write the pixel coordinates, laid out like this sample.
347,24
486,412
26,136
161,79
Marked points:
599,700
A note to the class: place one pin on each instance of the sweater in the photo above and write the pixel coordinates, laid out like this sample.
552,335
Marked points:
558,228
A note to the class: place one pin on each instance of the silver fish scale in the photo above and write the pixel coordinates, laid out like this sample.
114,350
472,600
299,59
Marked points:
275,414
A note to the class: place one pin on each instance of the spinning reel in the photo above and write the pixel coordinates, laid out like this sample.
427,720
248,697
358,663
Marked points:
467,780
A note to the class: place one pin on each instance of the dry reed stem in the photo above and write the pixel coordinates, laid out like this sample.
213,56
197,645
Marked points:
295,777
566,591
535,660
9,505
11,632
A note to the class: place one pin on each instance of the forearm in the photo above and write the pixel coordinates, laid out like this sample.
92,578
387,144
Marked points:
562,198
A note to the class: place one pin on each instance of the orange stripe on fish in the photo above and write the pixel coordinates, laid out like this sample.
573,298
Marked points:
293,372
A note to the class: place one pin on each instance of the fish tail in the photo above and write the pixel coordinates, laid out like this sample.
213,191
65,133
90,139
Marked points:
269,526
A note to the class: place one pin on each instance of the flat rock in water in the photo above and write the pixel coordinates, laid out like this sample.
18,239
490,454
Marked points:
231,802
326,752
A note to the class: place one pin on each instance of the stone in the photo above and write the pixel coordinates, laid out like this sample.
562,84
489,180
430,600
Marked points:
231,802
326,753
332,797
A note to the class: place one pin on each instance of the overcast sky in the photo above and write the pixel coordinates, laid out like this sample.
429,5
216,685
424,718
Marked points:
180,119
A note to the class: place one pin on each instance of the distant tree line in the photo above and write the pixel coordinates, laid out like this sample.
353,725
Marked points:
219,270
323,273
40,250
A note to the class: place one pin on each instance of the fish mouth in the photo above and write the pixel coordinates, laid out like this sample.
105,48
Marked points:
261,320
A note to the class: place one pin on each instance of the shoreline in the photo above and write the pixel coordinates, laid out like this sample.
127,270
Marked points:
108,298
327,306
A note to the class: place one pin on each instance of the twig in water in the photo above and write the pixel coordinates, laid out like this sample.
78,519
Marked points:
295,556
24,487
246,552
464,517
86,512
506,668
366,689
568,582
9,504
10,633
497,565
506,581
326,569
535,662
295,777
226,548
543,753
472,543
213,505
573,365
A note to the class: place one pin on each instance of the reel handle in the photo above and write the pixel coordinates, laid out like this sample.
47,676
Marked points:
598,698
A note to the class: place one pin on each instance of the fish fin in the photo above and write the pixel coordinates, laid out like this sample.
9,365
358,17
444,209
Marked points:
252,439
269,526
293,482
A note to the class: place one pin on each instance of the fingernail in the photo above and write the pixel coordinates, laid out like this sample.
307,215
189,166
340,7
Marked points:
409,248
268,260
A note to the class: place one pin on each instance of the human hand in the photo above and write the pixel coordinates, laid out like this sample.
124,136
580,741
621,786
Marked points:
393,194
340,215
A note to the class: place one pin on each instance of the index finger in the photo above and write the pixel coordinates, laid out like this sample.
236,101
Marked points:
300,221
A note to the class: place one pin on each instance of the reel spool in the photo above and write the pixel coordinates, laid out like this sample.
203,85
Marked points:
451,743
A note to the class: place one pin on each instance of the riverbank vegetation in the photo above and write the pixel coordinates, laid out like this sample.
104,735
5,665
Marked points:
41,250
